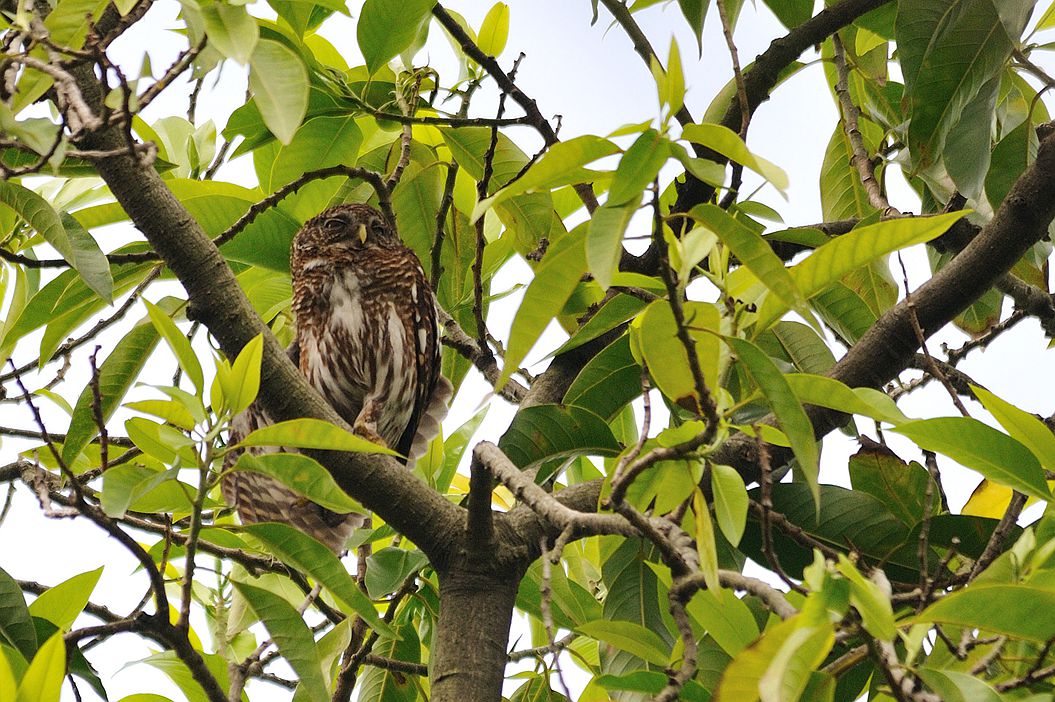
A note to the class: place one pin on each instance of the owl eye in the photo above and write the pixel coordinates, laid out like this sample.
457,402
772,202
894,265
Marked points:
334,224
377,228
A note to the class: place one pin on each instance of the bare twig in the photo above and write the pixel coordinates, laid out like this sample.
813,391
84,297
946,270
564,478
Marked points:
99,326
994,547
545,505
860,159
456,337
506,84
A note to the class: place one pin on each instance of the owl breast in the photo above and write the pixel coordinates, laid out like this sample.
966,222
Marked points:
363,350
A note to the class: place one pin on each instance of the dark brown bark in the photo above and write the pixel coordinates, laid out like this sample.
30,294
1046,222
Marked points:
469,653
888,347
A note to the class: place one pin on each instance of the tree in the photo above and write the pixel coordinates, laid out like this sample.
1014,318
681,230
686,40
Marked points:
625,542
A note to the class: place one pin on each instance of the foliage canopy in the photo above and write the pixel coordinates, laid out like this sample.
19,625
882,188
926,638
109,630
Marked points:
708,351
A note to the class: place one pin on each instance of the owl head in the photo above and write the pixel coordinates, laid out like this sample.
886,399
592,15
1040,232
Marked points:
352,228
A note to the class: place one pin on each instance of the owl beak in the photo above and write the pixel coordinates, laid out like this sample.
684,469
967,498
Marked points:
362,233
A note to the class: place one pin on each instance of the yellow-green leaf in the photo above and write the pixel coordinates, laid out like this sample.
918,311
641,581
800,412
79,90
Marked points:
312,434
729,144
494,31
830,262
303,475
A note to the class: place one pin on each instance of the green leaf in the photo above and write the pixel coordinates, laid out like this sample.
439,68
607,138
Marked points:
279,82
965,163
828,392
8,681
536,689
542,432
788,671
877,615
147,489
494,31
706,547
842,193
638,167
555,279
416,202
791,13
61,604
77,247
179,344
16,626
1010,158
242,384
231,29
604,240
955,686
561,165
69,21
1021,425
387,27
312,434
157,440
742,678
613,313
312,558
790,416
727,619
806,350
380,685
654,338
177,671
87,258
320,142
668,483
730,502
303,475
947,57
753,252
901,486
846,253
454,448
630,637
674,94
116,375
976,445
42,681
388,568
608,382
1020,611
291,635
530,216
729,144
695,12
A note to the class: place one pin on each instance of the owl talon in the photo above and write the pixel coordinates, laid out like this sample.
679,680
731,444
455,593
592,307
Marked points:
369,434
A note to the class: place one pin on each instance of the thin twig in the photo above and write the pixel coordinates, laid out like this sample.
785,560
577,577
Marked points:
859,159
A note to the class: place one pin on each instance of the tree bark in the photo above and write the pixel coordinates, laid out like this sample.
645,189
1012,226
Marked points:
470,651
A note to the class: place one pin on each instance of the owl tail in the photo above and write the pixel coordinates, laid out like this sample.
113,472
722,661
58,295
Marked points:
431,418
260,498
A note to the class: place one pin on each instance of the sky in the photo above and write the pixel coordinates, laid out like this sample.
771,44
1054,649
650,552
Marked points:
593,79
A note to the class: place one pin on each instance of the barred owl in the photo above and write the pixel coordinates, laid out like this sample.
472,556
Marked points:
367,339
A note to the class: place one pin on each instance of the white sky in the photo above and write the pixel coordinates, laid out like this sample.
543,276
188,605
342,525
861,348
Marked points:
592,77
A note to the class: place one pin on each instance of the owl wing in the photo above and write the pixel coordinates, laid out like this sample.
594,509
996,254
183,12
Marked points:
261,498
433,390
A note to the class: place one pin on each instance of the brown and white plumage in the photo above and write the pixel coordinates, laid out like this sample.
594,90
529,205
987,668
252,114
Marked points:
368,340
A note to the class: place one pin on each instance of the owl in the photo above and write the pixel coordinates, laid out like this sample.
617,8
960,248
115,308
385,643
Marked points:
367,339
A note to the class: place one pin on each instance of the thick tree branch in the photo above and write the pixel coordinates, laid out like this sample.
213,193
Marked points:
764,74
890,345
